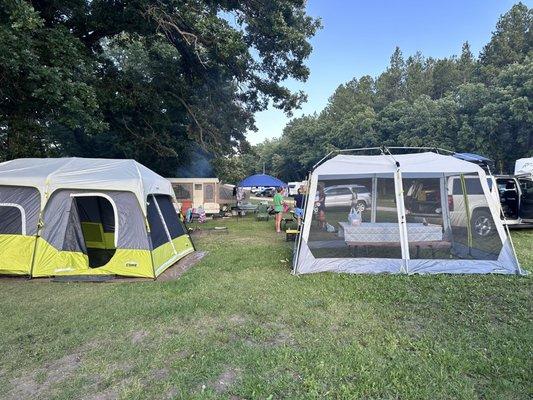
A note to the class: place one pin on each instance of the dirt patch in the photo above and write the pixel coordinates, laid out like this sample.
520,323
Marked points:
138,336
160,374
111,393
415,327
280,339
237,319
123,367
225,380
183,354
201,232
276,335
172,394
38,382
182,266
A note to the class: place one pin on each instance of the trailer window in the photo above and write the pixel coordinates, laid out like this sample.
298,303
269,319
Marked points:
182,190
209,192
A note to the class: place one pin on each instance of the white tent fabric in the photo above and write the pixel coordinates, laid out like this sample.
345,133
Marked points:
419,163
444,172
524,166
51,174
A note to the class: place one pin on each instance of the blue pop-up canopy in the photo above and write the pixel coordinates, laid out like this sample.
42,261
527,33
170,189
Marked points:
261,180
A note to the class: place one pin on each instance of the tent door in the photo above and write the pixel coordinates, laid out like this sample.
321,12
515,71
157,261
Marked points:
97,219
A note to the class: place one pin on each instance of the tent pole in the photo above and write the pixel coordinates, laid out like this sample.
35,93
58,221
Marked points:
402,221
468,215
308,215
374,209
40,226
445,211
298,242
400,208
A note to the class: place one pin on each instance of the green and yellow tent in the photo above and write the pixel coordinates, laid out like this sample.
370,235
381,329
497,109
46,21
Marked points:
79,216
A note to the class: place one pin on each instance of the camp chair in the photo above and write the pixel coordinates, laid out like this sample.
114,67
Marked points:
288,221
262,213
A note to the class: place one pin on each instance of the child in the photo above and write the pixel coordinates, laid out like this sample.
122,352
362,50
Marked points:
278,208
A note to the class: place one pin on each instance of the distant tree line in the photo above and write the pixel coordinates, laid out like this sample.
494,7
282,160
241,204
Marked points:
152,80
463,103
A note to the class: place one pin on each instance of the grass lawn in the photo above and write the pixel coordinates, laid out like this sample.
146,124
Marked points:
239,326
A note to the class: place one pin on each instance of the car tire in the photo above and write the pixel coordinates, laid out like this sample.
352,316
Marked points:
483,224
360,206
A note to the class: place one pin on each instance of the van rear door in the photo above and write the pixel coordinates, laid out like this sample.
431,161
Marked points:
526,203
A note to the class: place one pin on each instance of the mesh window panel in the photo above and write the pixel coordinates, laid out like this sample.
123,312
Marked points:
157,230
335,228
10,220
474,233
175,227
483,241
428,226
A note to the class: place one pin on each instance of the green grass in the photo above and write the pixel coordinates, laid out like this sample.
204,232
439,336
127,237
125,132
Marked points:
239,326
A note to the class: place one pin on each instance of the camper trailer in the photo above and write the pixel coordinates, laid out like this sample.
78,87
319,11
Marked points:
207,193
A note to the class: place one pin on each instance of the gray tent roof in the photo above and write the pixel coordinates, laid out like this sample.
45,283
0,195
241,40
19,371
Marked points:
51,174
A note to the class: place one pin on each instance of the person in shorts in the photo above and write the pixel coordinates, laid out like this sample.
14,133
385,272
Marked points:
299,205
278,208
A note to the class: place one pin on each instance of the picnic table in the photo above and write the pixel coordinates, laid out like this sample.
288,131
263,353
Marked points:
387,235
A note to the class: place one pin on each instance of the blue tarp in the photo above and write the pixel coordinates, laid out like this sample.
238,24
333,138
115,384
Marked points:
261,180
475,158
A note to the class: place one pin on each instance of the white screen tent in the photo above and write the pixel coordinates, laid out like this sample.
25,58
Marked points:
423,213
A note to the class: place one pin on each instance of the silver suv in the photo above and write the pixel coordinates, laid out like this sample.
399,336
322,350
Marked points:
346,195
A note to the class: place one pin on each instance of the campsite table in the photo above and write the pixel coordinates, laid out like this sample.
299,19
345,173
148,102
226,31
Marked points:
387,234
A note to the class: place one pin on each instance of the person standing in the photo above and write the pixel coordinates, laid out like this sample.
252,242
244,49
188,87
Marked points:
299,205
278,208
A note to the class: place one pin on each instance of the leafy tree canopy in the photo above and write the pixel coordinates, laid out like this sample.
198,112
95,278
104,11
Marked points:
459,103
145,79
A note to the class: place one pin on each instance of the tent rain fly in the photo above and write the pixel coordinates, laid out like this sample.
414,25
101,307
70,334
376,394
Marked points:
77,216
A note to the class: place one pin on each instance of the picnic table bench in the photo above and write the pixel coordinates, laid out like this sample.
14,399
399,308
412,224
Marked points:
432,245
387,235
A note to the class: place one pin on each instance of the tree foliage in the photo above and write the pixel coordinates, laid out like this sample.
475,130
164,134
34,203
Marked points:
145,79
458,103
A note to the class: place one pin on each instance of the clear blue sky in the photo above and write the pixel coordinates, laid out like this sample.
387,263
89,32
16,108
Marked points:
358,37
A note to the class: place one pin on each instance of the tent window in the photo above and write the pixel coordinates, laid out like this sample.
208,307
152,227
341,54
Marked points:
182,190
375,234
98,226
157,229
174,225
457,206
12,221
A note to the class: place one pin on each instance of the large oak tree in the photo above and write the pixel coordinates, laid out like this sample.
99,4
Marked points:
151,80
